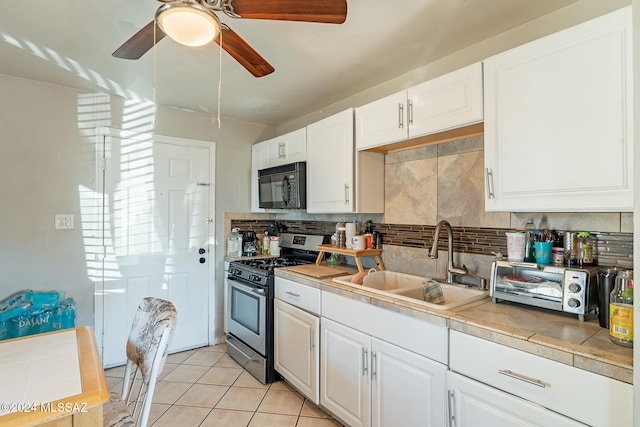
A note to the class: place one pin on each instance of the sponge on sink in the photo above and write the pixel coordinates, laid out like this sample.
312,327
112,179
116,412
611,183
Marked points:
432,292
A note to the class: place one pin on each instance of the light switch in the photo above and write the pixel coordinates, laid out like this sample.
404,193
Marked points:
64,221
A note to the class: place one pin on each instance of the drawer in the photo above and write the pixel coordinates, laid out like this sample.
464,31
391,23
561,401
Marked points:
299,295
584,396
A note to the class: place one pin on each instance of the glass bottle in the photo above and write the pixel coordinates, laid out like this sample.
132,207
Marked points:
585,248
265,243
621,310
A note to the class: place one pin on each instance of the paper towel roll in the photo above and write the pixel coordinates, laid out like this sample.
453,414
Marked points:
350,232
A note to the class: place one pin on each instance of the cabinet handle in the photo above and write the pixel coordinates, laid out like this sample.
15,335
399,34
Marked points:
452,408
293,294
374,365
489,175
410,113
346,194
365,361
281,150
311,340
400,116
521,377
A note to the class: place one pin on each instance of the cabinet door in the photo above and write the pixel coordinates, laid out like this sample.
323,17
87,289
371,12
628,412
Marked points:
297,348
406,389
382,122
288,148
258,161
295,146
446,102
330,164
473,404
345,387
558,121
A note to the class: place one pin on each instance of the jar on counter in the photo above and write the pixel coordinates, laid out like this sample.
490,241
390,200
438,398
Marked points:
234,243
585,247
341,237
621,310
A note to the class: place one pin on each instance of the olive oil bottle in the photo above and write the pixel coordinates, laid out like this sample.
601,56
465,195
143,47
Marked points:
621,310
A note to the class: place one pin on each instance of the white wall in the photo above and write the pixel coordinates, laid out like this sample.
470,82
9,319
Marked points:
46,154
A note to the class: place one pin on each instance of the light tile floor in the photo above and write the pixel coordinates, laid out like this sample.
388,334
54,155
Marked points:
205,387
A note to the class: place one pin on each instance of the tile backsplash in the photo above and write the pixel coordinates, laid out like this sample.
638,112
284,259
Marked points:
445,181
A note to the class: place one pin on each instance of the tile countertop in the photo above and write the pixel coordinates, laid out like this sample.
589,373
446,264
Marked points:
552,335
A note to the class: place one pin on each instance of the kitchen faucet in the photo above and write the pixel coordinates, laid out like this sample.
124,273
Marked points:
433,252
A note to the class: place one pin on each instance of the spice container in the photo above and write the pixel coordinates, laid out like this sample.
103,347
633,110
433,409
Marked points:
621,310
341,237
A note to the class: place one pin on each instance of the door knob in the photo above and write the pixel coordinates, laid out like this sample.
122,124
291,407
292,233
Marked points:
202,260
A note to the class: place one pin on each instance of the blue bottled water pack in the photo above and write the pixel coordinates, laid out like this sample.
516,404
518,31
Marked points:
30,312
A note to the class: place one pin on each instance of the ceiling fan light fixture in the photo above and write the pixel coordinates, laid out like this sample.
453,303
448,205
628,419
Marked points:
188,23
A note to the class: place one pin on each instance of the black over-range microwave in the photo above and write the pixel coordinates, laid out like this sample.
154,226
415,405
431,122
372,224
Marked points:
283,187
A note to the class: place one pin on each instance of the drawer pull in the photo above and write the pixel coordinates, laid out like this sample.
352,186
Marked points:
293,294
489,175
520,377
365,361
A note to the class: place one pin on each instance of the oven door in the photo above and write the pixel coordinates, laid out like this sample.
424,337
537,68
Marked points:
246,317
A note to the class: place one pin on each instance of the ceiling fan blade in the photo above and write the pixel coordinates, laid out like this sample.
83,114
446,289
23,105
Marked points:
139,43
327,11
243,53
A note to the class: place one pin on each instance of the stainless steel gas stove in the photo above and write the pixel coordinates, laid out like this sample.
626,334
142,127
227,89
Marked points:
250,304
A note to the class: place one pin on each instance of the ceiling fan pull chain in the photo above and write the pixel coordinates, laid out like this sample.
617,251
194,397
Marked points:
153,91
220,78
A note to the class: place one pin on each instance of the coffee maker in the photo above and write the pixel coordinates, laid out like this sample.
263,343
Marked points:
249,243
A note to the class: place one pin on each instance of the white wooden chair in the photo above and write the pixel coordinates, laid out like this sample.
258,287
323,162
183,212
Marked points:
149,340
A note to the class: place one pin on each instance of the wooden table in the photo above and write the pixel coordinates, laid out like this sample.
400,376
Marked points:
355,253
54,379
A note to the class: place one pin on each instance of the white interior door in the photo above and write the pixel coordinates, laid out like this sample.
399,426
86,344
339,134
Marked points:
156,232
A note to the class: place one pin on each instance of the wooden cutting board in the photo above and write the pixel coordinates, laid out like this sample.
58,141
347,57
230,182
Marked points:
317,271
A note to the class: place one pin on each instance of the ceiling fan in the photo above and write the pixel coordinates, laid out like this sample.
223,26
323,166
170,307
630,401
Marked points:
182,20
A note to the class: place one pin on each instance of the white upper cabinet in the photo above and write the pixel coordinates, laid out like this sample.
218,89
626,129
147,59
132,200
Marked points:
446,102
288,148
330,166
339,180
559,118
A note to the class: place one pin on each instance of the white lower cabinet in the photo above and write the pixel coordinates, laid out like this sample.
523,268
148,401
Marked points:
345,384
474,404
366,381
297,336
296,348
531,381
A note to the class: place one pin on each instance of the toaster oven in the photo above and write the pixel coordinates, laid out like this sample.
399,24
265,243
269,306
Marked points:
555,287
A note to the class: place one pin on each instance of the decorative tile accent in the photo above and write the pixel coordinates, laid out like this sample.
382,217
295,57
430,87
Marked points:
613,248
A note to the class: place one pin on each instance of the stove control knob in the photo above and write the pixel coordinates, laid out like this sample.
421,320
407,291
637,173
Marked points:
234,271
573,303
254,278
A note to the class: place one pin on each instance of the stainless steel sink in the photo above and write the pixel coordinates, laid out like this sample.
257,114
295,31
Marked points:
409,288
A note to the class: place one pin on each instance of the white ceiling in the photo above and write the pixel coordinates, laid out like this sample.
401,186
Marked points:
69,42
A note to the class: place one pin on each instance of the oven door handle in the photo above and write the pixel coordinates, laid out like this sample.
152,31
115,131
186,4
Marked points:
255,289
